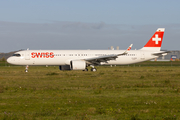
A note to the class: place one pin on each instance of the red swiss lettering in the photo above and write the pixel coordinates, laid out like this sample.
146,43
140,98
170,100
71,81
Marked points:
33,56
42,55
38,55
47,55
51,54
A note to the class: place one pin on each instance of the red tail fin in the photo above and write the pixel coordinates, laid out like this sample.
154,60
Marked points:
156,40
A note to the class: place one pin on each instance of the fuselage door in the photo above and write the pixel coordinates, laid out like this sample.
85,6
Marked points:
27,55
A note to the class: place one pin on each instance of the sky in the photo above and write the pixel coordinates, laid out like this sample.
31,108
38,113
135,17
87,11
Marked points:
87,24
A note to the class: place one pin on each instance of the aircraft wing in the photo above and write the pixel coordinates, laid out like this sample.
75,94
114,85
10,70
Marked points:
98,60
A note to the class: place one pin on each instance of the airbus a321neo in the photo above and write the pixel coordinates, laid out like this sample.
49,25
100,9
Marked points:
81,59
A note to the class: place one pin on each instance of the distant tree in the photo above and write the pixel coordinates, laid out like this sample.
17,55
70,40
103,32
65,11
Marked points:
3,59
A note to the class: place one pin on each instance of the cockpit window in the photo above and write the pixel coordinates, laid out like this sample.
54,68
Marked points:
17,55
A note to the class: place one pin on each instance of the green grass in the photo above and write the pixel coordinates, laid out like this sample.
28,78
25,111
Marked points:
112,93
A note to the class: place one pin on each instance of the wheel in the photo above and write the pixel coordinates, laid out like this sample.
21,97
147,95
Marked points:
93,69
85,69
26,70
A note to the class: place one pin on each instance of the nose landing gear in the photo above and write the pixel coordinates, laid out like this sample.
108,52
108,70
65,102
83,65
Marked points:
26,70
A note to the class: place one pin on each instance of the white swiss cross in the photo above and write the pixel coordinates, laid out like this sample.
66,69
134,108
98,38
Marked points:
156,39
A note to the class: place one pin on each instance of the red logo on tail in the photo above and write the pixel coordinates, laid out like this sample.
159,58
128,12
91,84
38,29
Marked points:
129,48
156,39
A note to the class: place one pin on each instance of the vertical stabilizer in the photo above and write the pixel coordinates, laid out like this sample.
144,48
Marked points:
154,44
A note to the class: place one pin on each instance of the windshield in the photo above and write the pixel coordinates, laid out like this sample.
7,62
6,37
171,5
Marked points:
17,55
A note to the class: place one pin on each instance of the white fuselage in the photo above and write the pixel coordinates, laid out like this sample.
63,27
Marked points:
63,57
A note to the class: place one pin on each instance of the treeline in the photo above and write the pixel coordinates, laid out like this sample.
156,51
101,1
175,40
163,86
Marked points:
3,59
4,56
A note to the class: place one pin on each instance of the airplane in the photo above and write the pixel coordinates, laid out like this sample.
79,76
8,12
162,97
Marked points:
81,59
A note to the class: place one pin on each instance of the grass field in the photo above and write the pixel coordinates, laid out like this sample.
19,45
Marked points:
149,90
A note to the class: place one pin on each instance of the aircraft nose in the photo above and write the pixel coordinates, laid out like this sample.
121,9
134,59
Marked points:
9,60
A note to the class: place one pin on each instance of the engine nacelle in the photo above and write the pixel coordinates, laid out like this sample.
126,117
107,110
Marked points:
78,65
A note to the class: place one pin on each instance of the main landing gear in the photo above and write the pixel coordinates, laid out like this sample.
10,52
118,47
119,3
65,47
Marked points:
86,69
92,68
26,70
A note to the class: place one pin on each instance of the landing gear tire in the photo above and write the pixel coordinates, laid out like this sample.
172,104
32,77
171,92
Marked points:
26,70
85,69
93,69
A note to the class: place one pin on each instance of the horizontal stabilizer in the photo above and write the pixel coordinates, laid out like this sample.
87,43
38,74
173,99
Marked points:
161,53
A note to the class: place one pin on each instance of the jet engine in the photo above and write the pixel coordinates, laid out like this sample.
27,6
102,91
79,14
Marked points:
78,65
74,65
